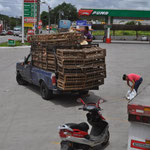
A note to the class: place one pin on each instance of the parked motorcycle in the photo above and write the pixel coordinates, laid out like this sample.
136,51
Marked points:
75,136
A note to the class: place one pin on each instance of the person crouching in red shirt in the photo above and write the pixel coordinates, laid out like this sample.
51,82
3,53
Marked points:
135,79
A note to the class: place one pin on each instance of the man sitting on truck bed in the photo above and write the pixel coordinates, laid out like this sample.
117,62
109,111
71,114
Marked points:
87,35
135,79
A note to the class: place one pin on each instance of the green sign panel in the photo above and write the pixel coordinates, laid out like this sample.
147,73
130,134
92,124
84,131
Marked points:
108,26
29,10
115,13
11,42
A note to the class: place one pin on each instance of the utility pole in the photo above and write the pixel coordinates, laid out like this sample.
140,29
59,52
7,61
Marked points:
49,19
23,21
34,17
38,16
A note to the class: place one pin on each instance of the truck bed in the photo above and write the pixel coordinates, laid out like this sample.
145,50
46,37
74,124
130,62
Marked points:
40,74
142,98
139,107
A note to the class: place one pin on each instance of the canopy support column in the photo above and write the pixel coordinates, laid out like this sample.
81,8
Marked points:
108,39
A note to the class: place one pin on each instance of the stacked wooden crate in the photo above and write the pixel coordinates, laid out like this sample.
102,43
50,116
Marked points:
77,67
43,48
81,69
44,59
58,40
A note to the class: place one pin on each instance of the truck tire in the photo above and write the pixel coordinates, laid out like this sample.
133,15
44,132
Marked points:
45,92
83,92
20,80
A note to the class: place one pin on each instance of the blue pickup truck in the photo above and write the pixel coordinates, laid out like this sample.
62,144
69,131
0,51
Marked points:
46,80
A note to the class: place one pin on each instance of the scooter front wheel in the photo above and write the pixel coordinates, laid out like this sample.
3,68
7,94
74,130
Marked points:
107,139
65,145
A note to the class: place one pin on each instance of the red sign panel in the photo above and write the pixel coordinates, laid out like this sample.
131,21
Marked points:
30,32
1,28
40,23
30,20
39,27
85,12
30,1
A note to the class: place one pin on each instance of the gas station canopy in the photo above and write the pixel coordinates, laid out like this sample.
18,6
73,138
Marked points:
142,14
110,14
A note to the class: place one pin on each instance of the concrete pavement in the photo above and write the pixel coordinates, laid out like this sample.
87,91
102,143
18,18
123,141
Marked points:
27,122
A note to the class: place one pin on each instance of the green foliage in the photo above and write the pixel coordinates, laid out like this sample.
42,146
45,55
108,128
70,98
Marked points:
139,23
17,43
44,18
97,33
127,32
121,33
11,21
146,33
62,11
131,23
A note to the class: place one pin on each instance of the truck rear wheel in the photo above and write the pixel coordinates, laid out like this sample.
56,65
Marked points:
45,92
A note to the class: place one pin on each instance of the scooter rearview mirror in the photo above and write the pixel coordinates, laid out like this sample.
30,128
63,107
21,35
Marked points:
100,101
78,100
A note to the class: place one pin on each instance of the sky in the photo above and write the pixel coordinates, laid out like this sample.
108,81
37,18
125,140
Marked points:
14,7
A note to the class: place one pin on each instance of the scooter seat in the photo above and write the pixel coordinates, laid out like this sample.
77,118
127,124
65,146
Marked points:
81,126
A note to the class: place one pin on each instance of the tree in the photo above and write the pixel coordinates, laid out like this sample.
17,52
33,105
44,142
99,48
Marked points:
11,22
44,18
64,11
131,23
139,23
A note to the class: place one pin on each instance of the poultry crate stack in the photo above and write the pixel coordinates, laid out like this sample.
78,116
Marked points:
78,67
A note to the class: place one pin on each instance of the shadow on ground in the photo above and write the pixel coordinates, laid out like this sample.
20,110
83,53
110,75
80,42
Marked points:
69,100
101,147
66,99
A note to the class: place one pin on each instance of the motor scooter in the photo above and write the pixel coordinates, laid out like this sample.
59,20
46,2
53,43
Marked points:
75,136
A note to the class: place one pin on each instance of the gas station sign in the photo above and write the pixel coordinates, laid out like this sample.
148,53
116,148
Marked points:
30,11
28,25
29,19
97,12
93,12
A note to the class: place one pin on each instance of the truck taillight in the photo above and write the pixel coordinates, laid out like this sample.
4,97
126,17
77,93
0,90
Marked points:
53,77
140,145
137,118
147,141
138,110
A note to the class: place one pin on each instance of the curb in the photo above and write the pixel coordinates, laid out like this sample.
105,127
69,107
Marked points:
15,47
